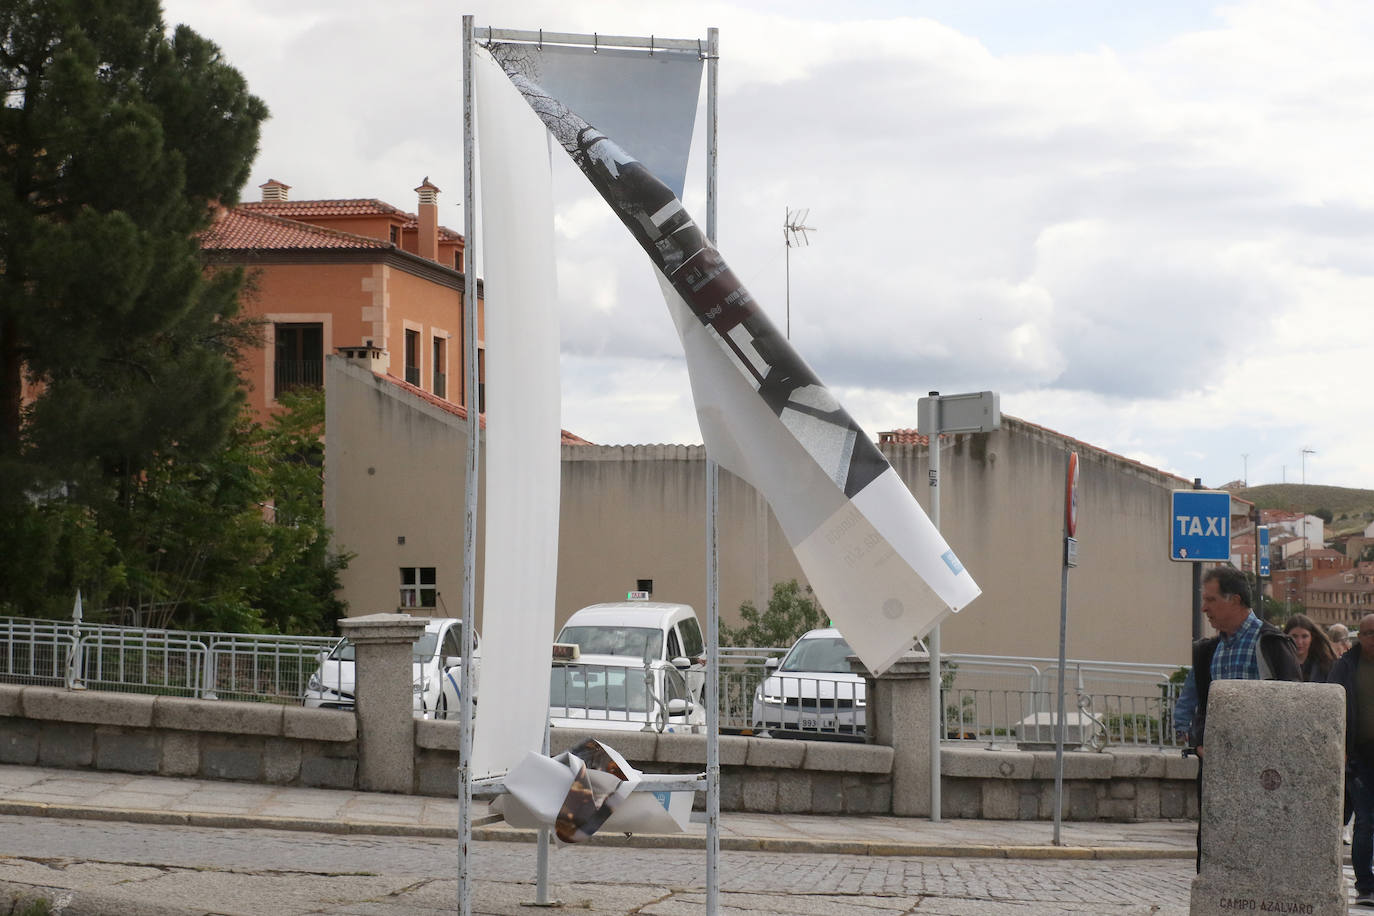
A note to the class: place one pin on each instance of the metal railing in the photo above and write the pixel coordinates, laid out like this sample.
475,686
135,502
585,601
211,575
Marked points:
656,696
237,666
297,373
1001,700
986,699
35,652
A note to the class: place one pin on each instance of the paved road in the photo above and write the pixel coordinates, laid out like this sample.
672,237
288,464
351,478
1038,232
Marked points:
109,867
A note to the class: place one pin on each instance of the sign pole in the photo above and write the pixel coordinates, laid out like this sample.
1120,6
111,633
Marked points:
937,728
1070,559
1197,585
974,412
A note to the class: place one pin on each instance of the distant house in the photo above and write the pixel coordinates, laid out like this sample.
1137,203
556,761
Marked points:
1342,597
326,274
1298,524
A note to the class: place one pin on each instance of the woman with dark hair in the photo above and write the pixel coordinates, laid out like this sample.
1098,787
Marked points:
1315,653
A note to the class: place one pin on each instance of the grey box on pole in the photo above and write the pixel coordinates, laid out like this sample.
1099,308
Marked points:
975,412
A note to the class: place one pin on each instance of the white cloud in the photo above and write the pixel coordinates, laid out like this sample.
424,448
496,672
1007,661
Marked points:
1152,233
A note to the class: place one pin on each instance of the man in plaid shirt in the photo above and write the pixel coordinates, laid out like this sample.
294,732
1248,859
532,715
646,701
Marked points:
1245,648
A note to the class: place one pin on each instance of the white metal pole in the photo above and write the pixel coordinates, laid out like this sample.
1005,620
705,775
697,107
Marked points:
933,640
470,498
712,569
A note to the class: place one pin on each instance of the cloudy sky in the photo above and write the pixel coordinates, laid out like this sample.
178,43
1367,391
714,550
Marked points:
1147,226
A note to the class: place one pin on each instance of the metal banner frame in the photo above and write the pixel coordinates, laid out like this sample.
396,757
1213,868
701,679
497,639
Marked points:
708,49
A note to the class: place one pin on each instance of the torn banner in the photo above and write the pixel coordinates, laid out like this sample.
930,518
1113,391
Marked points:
879,567
585,789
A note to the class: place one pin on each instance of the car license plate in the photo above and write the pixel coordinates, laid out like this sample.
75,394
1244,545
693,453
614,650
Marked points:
818,723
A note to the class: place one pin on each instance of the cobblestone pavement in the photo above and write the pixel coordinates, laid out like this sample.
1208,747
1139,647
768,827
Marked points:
138,868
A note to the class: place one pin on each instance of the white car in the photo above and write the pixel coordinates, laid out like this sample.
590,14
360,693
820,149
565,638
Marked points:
436,663
606,686
812,693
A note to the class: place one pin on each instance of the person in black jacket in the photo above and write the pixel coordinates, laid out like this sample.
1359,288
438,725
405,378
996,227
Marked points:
1355,672
1244,648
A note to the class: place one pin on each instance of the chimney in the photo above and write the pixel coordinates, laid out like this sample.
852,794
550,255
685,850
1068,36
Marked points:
429,220
371,358
274,190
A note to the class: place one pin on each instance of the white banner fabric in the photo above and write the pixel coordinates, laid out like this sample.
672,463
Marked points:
648,102
523,433
876,562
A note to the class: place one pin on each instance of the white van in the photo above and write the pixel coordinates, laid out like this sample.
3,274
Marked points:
640,662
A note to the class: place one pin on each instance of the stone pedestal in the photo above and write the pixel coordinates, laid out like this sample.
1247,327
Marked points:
898,716
383,672
1271,806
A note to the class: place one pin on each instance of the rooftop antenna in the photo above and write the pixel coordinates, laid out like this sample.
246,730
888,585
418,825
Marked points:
794,231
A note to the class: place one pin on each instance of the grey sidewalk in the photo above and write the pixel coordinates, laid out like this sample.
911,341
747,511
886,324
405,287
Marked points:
92,795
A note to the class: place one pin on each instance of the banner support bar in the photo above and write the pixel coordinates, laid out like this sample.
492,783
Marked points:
599,42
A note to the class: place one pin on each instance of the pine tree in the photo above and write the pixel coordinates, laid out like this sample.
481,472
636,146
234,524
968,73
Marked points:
117,351
118,142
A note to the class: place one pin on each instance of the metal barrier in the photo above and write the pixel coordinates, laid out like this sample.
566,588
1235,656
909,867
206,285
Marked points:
35,652
810,707
263,668
999,700
654,697
171,662
988,699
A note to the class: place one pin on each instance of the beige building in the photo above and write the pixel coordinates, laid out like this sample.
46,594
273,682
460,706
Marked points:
394,499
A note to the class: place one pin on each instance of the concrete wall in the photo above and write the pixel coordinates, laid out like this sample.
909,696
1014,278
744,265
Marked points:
395,464
393,489
256,742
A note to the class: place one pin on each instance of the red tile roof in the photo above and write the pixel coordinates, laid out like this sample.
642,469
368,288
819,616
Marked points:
305,210
902,437
237,230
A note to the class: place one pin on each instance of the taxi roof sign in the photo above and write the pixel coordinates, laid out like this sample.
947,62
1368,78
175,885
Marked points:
636,596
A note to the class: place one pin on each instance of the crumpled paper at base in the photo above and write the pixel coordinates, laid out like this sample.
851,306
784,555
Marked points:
584,790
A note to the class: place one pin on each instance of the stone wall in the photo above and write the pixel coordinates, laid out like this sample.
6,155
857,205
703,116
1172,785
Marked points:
176,736
291,745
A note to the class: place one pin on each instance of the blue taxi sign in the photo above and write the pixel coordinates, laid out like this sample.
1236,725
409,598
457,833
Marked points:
1200,526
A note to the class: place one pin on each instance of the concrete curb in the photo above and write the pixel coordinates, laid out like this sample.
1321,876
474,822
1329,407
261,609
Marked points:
488,828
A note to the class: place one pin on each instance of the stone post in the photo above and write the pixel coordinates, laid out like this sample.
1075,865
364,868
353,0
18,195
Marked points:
1271,800
898,716
383,646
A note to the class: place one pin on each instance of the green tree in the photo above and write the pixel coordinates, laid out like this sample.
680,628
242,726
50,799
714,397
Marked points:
119,142
791,612
234,542
118,384
1325,515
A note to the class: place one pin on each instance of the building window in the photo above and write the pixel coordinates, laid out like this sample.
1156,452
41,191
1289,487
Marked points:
395,235
418,586
299,357
440,380
413,358
482,381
